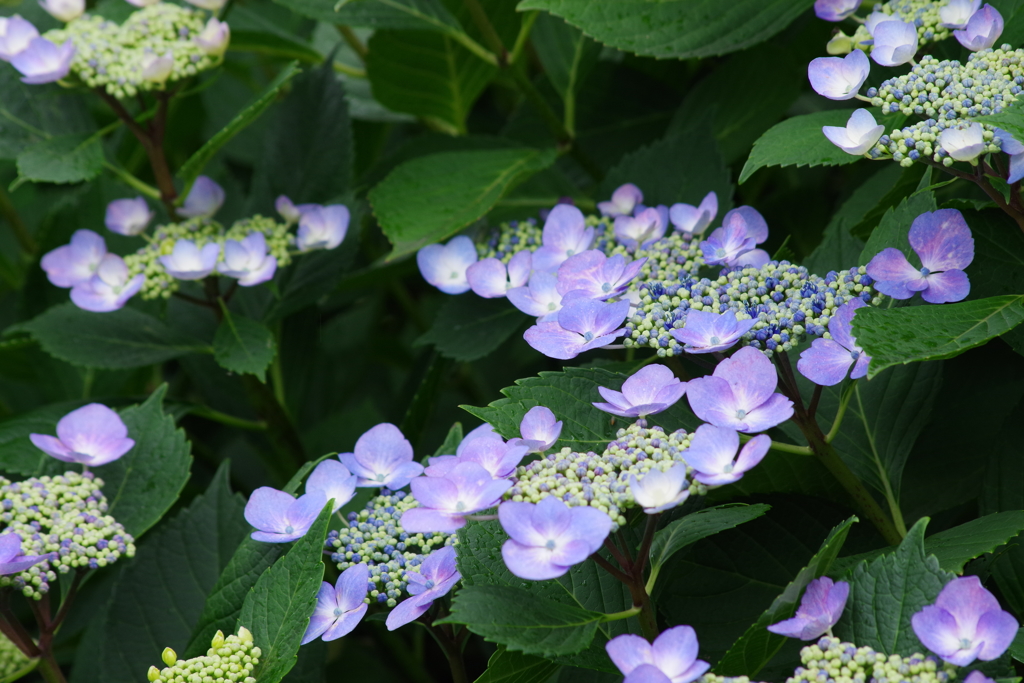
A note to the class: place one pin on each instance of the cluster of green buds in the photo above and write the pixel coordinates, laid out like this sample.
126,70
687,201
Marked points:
155,46
159,283
831,661
715,678
602,481
924,14
63,517
374,535
13,662
229,660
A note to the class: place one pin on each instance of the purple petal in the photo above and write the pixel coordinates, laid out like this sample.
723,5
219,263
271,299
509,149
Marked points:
675,652
754,224
382,450
942,240
346,623
323,614
750,375
530,562
947,287
589,525
55,448
488,278
10,546
712,449
204,199
629,652
890,265
712,401
333,480
96,431
516,519
445,266
407,611
937,630
996,630
422,520
540,427
553,341
773,412
825,363
646,385
267,509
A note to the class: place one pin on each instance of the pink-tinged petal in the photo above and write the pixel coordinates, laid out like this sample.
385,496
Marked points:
21,563
554,342
624,200
617,404
897,290
937,630
441,465
776,410
422,520
334,481
675,650
519,268
750,375
890,265
947,287
825,362
643,386
629,652
563,227
550,517
346,623
440,565
712,401
796,627
10,546
966,599
76,262
942,240
996,630
530,562
712,449
754,224
407,611
54,447
840,327
445,266
752,453
303,511
540,428
89,429
517,521
435,493
382,449
590,525
755,258
109,451
267,509
488,278
323,614
836,601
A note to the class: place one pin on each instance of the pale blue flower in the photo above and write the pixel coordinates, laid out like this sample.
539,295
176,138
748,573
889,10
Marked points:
109,288
839,78
279,517
128,216
339,608
583,324
437,575
445,501
445,266
203,200
92,435
247,260
673,654
707,332
651,389
187,261
624,200
322,227
75,262
982,30
382,457
965,623
820,608
549,537
740,394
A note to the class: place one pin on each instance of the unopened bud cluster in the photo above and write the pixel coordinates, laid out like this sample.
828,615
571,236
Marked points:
832,661
115,57
715,678
923,14
602,481
64,517
789,303
229,660
375,536
506,240
160,284
12,659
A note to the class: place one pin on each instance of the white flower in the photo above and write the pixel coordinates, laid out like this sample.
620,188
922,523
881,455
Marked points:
860,134
658,491
64,10
956,13
963,144
895,42
157,68
214,38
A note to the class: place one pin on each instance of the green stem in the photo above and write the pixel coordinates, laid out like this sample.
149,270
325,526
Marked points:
21,233
229,420
452,651
624,614
524,35
490,35
890,495
353,41
476,48
844,401
132,182
50,670
782,447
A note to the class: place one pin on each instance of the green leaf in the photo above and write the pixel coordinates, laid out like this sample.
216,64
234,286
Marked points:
243,345
565,53
515,667
957,546
63,159
570,395
422,14
248,563
469,327
799,142
680,30
158,597
368,13
191,169
278,608
905,181
427,74
675,169
1010,119
894,228
451,441
898,336
523,622
126,338
273,45
30,114
427,199
1017,646
18,455
143,484
698,525
887,591
758,645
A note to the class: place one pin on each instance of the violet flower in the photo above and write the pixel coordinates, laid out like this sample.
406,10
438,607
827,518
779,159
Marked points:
742,230
650,390
12,561
75,262
339,608
187,261
624,200
445,266
549,537
334,481
128,216
712,454
740,394
965,623
583,324
279,517
565,233
693,220
322,227
860,134
839,78
596,276
963,144
828,361
203,200
707,332
820,608
382,457
500,459
835,10
982,30
15,35
92,435
44,62
977,677
539,429
445,501
539,298
895,42
641,230
1015,150
247,260
944,244
490,278
437,575
673,653
483,431
109,288
658,491
956,13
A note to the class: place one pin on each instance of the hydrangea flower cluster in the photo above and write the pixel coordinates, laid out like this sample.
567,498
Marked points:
63,518
229,660
375,536
250,251
12,659
155,46
831,661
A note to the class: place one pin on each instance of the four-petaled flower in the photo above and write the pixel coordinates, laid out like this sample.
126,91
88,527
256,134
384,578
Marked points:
565,233
203,200
895,42
128,216
539,298
624,200
693,220
658,491
12,560
819,610
839,79
944,244
712,454
673,655
445,265
490,278
583,324
334,481
649,390
187,261
279,517
322,227
734,243
596,276
965,623
76,261
92,435
549,537
500,459
827,361
963,143
109,288
247,259
382,457
860,134
339,608
982,30
437,575
539,429
445,501
706,332
740,394
639,231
